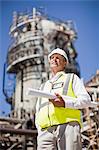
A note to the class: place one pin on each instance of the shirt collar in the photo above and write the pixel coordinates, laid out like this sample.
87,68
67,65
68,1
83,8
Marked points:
57,76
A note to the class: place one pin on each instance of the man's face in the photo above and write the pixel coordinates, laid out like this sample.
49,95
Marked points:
57,63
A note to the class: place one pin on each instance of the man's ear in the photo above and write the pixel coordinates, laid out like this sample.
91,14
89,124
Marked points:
66,62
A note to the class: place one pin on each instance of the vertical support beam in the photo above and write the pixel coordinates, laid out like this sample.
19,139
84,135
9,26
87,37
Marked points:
22,85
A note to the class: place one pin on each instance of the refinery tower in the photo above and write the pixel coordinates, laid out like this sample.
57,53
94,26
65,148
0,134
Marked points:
33,37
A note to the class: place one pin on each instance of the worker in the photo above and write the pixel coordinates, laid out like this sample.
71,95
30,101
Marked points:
58,120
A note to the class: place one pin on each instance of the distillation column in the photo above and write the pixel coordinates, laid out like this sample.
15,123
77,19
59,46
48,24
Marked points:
34,36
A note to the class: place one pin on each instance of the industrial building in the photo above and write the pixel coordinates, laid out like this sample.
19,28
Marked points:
33,37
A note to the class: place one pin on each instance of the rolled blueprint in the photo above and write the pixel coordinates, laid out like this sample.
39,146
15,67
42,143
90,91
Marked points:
44,94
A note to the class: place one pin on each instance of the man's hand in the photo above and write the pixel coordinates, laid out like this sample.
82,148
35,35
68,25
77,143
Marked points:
58,102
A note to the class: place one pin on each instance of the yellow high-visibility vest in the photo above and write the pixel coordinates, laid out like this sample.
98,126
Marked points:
49,115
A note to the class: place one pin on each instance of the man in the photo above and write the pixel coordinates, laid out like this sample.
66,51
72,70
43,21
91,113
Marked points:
59,120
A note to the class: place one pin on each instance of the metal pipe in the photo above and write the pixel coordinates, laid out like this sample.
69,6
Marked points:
18,131
12,120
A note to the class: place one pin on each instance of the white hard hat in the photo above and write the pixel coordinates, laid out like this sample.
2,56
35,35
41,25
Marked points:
58,51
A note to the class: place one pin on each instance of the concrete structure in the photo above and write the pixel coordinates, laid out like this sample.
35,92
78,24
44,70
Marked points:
33,37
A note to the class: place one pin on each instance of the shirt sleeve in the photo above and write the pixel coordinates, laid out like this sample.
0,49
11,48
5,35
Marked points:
82,99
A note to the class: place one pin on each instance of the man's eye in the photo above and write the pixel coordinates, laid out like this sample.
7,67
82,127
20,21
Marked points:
52,57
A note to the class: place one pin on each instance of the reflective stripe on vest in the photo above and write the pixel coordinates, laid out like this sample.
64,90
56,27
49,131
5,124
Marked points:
49,115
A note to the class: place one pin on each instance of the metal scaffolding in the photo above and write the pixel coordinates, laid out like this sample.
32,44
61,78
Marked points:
33,37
